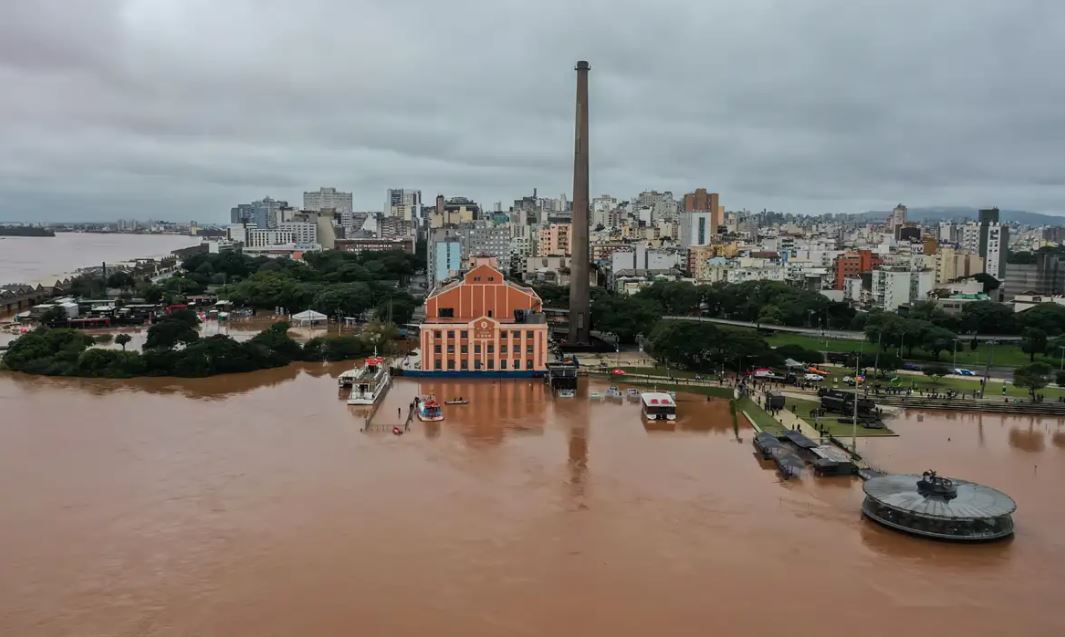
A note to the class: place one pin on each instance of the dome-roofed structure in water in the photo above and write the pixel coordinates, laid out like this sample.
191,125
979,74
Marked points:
938,507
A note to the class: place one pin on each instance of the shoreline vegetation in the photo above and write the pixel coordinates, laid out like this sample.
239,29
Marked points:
25,231
175,349
339,284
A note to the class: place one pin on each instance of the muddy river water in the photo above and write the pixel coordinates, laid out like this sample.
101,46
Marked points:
254,505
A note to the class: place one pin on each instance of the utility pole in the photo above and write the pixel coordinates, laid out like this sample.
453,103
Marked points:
1062,348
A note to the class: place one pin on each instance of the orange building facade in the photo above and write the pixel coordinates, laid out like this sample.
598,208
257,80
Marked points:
853,264
483,325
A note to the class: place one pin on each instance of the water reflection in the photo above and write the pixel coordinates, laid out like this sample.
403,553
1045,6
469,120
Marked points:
1031,440
578,462
210,388
934,554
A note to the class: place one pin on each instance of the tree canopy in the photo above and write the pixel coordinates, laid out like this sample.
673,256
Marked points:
1049,317
988,317
707,347
1033,377
626,316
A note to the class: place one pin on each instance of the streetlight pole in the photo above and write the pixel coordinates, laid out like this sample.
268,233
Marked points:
854,423
955,352
1062,348
876,358
987,368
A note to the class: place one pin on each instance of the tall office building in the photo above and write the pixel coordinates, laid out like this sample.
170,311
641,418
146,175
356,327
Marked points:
1046,276
264,213
327,198
897,218
405,204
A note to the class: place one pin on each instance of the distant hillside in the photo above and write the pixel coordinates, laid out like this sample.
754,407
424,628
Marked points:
959,213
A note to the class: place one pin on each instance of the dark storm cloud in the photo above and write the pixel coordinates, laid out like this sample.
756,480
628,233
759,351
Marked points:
181,108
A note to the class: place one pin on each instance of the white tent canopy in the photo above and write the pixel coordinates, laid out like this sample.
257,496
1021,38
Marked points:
309,317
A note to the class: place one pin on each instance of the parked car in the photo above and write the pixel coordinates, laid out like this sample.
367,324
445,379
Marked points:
960,371
913,367
814,377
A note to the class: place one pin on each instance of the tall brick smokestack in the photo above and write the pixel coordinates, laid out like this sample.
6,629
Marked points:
579,314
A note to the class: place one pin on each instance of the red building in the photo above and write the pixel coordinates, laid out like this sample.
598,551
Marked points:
483,325
854,263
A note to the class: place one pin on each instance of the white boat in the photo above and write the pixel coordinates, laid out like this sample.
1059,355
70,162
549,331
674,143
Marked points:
632,394
429,410
613,392
595,395
567,393
367,383
658,406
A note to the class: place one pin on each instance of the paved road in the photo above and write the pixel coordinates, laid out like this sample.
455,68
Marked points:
846,335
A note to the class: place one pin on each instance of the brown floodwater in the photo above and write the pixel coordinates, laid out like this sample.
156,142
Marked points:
254,504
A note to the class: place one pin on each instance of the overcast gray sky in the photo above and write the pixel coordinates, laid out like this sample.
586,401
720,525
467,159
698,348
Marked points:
179,109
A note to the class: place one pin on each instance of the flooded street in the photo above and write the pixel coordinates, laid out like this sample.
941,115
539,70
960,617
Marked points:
252,504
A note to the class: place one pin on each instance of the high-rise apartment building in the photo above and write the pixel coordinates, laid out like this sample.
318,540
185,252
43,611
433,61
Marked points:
892,288
477,239
853,264
326,199
444,255
994,243
556,240
954,263
696,228
703,201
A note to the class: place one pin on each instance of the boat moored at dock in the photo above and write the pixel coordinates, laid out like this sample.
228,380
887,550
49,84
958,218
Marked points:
367,383
429,409
658,406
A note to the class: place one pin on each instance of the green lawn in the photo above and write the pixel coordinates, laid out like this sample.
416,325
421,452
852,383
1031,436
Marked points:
716,392
662,371
1004,355
928,383
802,408
760,416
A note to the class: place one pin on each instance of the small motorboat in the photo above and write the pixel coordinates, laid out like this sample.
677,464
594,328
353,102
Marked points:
632,394
613,392
429,410
595,395
457,401
567,393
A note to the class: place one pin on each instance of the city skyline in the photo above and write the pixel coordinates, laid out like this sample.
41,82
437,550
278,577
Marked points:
189,109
